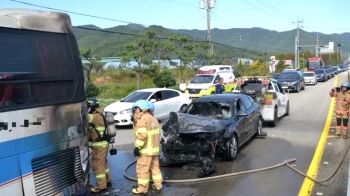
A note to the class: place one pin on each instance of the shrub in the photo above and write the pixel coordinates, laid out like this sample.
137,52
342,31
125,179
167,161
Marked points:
91,90
164,79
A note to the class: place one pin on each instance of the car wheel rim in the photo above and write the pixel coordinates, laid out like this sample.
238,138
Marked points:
233,147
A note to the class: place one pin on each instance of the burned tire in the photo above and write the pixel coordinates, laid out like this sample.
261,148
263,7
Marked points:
231,148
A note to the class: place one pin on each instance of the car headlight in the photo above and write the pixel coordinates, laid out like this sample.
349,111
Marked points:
128,111
292,83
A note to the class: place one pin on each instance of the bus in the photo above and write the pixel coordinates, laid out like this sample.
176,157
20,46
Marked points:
313,63
43,109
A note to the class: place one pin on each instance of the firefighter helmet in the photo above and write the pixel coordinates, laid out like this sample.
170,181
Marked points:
142,104
345,84
92,104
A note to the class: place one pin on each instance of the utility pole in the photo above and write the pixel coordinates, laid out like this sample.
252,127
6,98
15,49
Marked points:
295,55
297,42
317,46
208,5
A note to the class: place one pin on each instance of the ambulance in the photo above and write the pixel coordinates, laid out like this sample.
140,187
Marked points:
208,77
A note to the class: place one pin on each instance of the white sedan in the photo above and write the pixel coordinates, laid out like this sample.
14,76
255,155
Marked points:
165,101
310,78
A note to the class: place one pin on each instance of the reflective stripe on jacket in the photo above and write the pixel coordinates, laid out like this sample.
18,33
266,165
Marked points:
342,102
147,134
96,120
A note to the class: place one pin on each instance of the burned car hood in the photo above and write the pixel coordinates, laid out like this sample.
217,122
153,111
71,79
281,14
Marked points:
188,124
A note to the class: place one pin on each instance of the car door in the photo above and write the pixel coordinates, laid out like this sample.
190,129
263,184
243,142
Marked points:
251,117
281,99
171,100
241,120
159,104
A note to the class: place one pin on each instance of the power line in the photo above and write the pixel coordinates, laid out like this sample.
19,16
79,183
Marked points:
164,38
265,11
245,43
92,16
274,8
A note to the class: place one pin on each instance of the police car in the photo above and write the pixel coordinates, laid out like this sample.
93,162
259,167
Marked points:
273,99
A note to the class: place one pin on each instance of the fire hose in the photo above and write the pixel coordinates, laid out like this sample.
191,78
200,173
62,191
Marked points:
285,162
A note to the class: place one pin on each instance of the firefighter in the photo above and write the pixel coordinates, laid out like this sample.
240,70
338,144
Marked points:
147,141
99,146
341,108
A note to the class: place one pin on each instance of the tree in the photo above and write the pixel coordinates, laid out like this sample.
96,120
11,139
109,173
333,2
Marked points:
163,51
184,52
93,59
280,66
164,79
138,52
263,59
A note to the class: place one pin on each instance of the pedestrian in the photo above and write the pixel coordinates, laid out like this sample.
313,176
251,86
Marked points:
147,142
99,146
342,99
182,86
220,88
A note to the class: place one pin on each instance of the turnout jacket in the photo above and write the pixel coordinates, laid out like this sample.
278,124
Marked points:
147,134
342,100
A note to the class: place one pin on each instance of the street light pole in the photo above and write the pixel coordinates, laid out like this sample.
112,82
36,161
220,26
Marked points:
337,53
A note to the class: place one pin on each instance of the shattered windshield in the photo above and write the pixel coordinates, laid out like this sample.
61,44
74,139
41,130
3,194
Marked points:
203,79
219,110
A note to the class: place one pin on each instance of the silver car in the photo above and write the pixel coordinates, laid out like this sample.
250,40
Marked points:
310,78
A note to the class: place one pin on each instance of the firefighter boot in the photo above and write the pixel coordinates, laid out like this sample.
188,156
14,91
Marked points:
337,132
135,191
345,132
96,190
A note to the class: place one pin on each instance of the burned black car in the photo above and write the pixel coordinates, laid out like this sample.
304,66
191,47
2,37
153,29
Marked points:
211,127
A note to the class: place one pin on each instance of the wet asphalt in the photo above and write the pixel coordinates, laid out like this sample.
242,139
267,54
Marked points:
296,136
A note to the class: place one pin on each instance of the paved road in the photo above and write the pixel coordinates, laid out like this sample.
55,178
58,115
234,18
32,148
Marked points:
296,136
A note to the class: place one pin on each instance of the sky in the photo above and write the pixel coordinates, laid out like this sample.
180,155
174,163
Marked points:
325,16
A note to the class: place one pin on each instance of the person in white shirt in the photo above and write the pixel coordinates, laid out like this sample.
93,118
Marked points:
182,85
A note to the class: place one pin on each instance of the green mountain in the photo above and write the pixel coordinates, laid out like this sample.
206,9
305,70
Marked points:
235,42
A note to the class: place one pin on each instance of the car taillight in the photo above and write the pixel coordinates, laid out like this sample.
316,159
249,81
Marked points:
268,102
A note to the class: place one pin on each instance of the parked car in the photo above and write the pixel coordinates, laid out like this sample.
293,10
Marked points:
310,78
292,80
273,99
212,126
321,75
335,70
330,73
165,101
275,75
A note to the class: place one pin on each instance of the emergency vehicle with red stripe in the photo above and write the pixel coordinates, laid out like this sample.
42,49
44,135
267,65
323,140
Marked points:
208,77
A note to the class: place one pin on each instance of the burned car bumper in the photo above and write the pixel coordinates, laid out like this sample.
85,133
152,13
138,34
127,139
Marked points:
194,140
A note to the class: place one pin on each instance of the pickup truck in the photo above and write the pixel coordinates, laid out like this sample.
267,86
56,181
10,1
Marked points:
274,102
